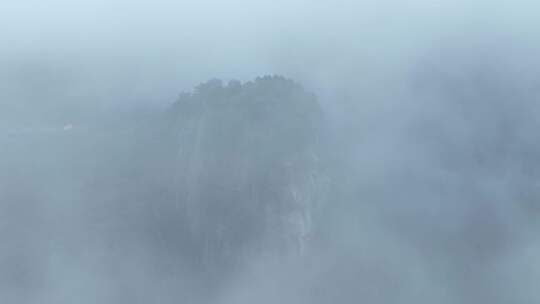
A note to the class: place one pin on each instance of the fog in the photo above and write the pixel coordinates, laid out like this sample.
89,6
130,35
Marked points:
395,159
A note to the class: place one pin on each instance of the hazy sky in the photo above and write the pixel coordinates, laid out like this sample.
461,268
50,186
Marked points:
146,51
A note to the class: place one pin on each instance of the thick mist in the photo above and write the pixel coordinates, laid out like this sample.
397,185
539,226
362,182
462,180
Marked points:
147,157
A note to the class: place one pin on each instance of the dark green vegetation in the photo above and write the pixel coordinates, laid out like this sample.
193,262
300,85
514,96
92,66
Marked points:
247,167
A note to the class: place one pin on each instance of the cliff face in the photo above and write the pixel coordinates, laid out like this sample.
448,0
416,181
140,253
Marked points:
247,164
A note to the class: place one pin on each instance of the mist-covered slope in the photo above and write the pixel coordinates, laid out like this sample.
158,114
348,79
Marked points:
251,192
